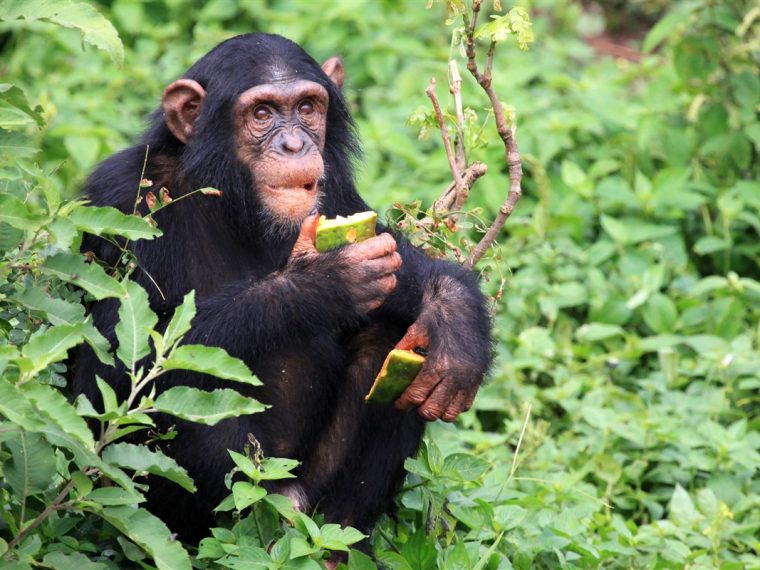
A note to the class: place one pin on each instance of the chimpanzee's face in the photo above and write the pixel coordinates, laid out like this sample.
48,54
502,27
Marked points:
280,136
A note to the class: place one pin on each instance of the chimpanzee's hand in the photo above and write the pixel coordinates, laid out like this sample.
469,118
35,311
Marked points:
453,369
367,269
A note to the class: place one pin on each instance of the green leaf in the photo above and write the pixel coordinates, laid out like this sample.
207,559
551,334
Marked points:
136,320
682,510
139,458
464,467
74,561
48,346
57,311
54,406
31,468
665,26
594,332
16,214
245,494
73,268
273,468
711,244
152,535
334,537
181,319
210,360
283,505
14,96
660,313
206,407
360,561
110,221
115,496
95,29
14,146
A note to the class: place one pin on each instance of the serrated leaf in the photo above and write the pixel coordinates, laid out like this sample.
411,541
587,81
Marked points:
73,268
210,360
136,320
181,319
16,214
100,220
54,406
139,458
48,346
14,146
115,496
15,97
95,29
57,311
203,407
31,467
152,535
245,494
75,561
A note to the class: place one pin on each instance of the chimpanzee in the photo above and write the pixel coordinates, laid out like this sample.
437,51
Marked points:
260,120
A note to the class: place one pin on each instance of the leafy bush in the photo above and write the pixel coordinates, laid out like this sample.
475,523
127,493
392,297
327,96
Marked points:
620,425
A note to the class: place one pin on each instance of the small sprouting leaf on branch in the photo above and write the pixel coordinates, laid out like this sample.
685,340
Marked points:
516,23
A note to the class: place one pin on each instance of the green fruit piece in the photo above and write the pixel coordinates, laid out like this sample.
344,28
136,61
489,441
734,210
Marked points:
341,231
398,371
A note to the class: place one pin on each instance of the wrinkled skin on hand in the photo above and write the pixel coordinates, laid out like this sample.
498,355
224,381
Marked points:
450,378
367,269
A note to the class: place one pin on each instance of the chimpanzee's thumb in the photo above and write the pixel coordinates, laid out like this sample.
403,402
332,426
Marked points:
306,237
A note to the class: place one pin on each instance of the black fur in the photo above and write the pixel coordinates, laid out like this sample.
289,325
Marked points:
296,326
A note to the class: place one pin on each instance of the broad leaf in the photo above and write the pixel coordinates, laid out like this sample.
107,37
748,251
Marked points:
31,467
52,404
48,346
136,320
148,532
73,268
110,221
95,29
206,407
16,214
13,96
210,360
139,458
181,320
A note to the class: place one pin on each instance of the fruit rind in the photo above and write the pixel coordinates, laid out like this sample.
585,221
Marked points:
399,370
344,230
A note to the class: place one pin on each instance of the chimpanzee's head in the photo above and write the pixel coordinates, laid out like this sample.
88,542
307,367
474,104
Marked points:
258,118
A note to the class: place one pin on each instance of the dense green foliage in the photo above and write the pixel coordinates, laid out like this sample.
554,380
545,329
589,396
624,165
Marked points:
620,427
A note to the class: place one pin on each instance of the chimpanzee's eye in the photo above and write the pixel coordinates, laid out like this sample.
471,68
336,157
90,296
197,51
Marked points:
262,113
305,107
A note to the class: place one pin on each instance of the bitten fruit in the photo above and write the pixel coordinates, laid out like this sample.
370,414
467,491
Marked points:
344,230
398,371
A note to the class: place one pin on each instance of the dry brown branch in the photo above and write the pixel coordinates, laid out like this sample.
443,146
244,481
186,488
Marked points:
507,134
469,177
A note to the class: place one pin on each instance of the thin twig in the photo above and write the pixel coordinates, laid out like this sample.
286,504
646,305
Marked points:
430,92
506,132
455,87
469,177
39,519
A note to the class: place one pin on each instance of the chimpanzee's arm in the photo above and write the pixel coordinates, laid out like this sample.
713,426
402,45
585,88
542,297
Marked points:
451,322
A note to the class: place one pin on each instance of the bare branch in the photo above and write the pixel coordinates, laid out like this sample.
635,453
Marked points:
455,87
469,177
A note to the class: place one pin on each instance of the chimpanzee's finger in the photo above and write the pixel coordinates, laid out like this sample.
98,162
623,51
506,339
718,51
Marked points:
416,337
456,407
418,390
378,246
306,237
382,265
436,403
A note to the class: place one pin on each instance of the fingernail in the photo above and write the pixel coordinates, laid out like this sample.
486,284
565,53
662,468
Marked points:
313,211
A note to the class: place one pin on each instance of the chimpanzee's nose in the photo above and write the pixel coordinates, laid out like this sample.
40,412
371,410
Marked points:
292,143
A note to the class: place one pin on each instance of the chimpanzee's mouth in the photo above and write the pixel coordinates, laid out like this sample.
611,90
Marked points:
308,187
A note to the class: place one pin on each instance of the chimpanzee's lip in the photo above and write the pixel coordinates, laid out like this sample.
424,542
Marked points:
308,187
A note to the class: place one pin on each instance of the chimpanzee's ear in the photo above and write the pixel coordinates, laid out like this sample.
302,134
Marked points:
333,67
182,105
